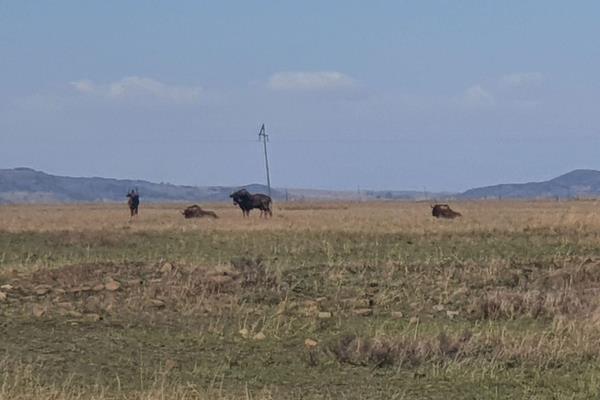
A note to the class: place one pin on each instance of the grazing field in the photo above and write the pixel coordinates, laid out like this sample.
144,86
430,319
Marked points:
323,301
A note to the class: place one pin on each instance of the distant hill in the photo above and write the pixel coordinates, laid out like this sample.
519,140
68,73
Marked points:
25,185
577,183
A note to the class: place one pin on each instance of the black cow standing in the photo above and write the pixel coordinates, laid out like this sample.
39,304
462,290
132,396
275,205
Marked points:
247,202
133,202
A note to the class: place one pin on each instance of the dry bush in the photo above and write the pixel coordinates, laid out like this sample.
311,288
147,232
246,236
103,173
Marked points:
404,351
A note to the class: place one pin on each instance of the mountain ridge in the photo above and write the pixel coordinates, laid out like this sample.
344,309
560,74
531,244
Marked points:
573,184
27,185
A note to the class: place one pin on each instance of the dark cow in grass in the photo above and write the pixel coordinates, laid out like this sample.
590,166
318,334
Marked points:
444,211
196,211
247,202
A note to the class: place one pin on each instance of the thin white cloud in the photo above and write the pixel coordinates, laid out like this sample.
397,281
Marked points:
522,79
135,86
310,81
477,97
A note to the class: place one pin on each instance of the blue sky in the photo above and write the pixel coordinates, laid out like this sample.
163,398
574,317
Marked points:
444,95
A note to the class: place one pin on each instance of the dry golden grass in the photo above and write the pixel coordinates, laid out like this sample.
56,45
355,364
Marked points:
406,217
501,303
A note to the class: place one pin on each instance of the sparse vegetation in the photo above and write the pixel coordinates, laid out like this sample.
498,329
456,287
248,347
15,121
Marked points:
325,300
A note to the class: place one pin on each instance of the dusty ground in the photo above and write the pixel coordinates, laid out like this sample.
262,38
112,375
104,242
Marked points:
326,300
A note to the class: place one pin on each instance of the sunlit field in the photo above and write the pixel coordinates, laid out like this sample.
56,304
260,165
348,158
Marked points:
323,301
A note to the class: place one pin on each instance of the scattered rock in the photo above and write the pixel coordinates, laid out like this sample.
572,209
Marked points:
438,307
2,296
310,343
99,287
259,336
244,333
320,299
38,310
157,303
93,317
324,315
112,285
59,291
397,315
6,287
42,289
65,305
363,312
452,314
74,314
414,320
166,268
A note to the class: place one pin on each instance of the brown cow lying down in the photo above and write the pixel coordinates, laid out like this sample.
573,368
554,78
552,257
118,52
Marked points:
196,212
444,211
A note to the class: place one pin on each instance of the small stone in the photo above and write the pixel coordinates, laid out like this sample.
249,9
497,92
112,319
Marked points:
259,336
6,287
320,299
157,303
59,291
38,310
112,285
99,287
414,320
166,268
452,314
324,315
2,296
42,289
74,314
243,333
438,307
310,343
363,312
92,317
65,305
397,314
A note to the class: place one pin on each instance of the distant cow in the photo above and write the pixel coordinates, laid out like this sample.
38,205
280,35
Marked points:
444,211
196,211
133,202
247,202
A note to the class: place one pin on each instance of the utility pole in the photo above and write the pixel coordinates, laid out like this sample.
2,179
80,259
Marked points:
263,135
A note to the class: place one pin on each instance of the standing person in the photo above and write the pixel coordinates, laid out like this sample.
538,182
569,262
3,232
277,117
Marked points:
133,202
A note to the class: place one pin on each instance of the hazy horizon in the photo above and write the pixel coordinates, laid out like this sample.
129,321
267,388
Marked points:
396,95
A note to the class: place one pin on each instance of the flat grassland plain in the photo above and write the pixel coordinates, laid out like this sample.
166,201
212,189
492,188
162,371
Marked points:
323,301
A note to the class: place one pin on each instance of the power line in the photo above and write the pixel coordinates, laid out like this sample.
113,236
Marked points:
263,135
